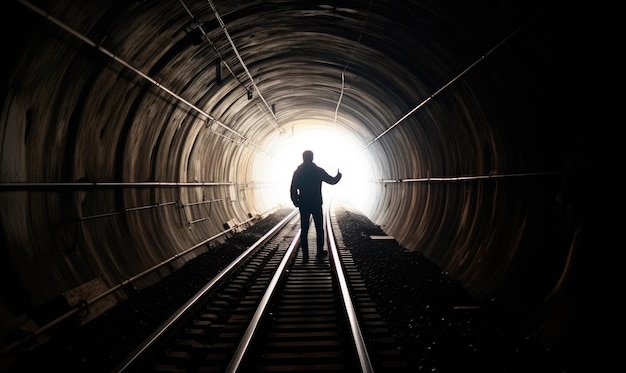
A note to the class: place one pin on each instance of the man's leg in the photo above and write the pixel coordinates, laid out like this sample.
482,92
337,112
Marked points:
319,230
305,216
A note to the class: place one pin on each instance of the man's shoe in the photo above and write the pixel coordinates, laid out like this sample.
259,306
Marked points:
305,259
322,254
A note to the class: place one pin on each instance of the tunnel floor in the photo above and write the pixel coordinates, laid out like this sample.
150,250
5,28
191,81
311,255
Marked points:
439,327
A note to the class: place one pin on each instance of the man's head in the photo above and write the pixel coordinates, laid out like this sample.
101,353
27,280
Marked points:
307,156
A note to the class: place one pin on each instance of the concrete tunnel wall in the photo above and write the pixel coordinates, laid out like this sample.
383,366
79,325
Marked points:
510,94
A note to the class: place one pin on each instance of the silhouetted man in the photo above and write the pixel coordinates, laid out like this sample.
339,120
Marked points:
306,194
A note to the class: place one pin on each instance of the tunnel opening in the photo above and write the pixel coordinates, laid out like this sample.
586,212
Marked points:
335,148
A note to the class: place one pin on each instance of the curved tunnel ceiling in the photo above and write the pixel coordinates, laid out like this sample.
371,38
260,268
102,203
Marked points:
421,105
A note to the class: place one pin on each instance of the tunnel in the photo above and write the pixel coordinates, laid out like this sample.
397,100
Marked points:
481,134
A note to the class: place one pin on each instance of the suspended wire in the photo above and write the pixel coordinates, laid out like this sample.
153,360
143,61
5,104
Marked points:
232,43
89,185
345,68
105,51
339,102
444,179
199,26
458,76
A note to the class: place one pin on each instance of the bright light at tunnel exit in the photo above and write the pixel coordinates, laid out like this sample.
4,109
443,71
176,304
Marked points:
333,149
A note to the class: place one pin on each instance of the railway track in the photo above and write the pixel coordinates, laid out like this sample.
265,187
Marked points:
271,312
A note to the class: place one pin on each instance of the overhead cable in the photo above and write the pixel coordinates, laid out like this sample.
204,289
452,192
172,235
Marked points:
199,26
232,43
90,42
458,76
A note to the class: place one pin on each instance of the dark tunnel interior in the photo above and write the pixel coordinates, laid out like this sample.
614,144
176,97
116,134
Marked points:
481,134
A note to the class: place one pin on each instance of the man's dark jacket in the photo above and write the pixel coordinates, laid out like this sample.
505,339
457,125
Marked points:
306,184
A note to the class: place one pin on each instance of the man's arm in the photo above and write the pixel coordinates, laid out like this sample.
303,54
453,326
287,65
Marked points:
337,177
330,179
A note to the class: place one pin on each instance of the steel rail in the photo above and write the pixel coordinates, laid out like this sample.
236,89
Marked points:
361,349
171,323
244,344
237,360
355,329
